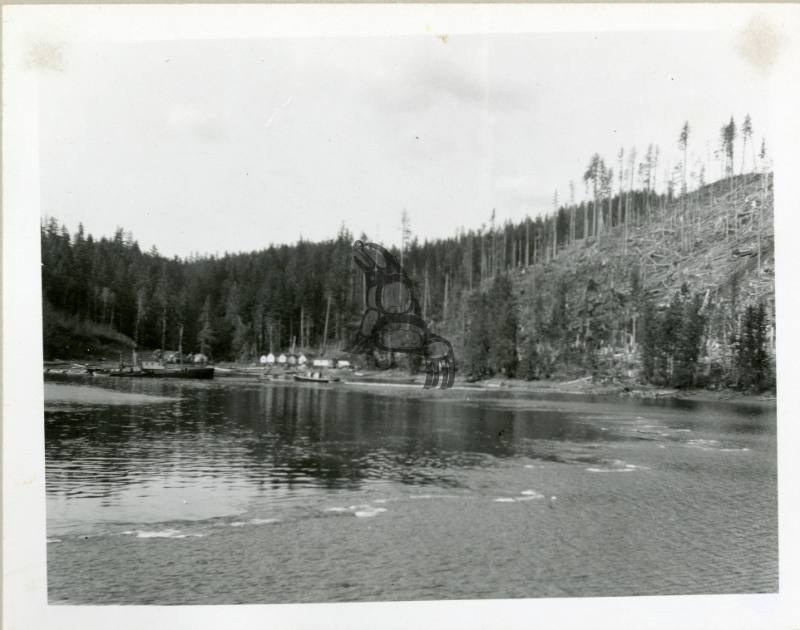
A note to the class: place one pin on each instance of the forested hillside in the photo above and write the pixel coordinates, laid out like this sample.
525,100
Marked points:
668,288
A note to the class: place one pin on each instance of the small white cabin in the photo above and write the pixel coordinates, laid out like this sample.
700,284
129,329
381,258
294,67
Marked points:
302,360
282,359
292,359
343,363
263,359
322,363
270,358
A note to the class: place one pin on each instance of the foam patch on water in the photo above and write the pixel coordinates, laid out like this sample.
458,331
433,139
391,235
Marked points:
713,445
361,511
704,444
255,521
617,466
526,495
53,540
366,511
162,533
433,496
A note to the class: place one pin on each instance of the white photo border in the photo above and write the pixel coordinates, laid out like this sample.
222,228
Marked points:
24,532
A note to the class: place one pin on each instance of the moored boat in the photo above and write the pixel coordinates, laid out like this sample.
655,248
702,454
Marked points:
161,370
311,377
164,371
127,373
377,380
163,366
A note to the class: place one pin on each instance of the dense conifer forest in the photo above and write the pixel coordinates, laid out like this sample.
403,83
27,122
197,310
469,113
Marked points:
671,284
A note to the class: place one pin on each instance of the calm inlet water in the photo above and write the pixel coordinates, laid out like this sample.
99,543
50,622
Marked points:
242,492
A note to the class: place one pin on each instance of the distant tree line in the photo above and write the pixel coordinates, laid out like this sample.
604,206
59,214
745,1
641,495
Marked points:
230,307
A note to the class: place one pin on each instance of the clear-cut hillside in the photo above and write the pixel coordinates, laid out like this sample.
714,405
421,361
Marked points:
718,242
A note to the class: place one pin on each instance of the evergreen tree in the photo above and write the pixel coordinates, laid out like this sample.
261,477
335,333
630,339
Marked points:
594,172
689,343
683,144
207,335
528,367
651,341
671,326
242,344
476,343
727,140
747,134
502,327
752,358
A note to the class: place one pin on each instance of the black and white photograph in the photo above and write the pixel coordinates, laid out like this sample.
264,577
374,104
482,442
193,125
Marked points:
400,305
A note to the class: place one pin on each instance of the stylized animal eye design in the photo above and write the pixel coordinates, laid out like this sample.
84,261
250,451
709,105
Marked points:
392,321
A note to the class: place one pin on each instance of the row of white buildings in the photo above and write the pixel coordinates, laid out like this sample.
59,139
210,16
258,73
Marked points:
291,359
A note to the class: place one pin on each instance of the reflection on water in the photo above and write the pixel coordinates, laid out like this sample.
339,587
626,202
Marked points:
208,463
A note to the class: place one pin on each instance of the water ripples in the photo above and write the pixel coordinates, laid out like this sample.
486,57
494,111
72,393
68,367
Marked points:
283,490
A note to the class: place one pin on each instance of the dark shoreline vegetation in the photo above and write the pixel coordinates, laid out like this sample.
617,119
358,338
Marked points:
636,287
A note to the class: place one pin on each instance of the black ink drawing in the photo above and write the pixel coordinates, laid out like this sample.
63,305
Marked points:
393,322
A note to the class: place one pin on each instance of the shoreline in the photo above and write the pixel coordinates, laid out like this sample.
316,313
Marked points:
585,386
580,386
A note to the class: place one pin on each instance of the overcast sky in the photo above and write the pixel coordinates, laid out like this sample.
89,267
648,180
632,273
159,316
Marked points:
214,146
